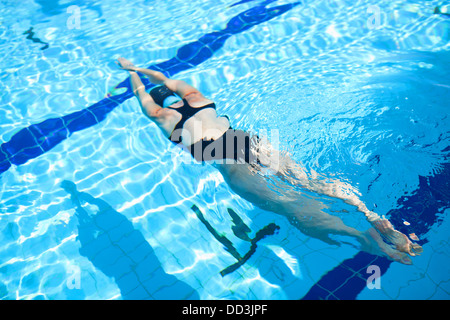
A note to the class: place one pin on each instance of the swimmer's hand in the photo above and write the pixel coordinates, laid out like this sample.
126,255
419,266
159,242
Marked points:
125,64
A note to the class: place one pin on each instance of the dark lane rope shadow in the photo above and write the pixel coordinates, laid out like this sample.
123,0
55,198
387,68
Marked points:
240,230
30,35
109,240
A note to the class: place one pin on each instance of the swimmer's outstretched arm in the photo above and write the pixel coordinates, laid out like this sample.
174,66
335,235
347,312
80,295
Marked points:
155,77
148,106
178,86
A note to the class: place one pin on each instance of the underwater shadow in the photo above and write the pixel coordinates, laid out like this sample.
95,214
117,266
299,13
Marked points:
109,240
270,266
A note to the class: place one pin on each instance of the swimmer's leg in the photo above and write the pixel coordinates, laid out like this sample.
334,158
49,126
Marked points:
305,213
325,225
295,175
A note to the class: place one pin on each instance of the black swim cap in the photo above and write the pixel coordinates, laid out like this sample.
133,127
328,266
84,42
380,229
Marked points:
160,93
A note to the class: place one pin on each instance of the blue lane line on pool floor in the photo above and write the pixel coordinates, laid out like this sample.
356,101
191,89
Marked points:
37,139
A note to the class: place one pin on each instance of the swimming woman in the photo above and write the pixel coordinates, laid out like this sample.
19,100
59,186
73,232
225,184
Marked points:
191,121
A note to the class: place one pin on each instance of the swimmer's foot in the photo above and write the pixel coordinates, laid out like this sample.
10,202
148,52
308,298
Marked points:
374,244
396,238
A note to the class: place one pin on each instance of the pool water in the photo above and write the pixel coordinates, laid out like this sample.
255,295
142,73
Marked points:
95,203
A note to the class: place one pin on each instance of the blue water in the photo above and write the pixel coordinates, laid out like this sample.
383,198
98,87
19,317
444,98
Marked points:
96,204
